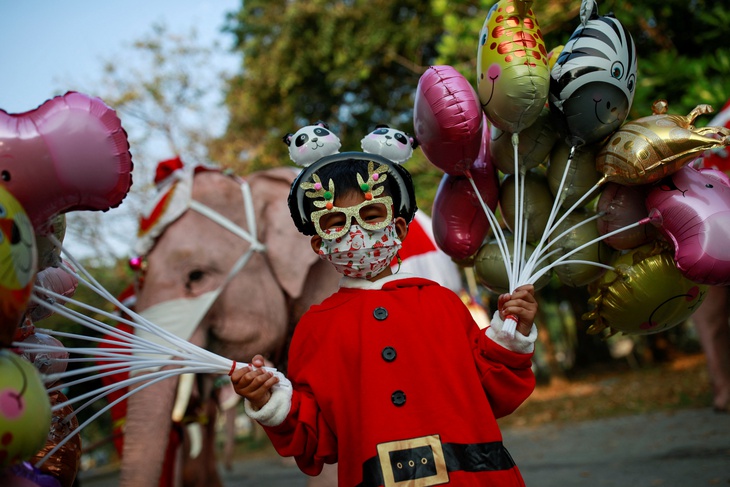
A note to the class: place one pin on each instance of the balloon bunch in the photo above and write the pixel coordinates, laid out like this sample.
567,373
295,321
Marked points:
70,153
166,356
544,141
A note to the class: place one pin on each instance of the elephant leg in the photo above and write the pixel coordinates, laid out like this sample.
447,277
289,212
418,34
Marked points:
146,434
230,438
209,446
200,467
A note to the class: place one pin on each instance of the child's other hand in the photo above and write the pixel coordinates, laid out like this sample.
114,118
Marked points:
254,383
522,304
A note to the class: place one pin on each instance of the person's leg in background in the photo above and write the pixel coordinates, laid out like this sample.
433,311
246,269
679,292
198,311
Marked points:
713,328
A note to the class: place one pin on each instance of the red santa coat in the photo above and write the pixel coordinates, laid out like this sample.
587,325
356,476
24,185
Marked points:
400,383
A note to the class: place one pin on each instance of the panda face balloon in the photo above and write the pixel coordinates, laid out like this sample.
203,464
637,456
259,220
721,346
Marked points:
593,80
389,143
311,143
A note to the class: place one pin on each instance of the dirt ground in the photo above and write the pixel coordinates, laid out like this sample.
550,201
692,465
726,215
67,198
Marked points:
618,390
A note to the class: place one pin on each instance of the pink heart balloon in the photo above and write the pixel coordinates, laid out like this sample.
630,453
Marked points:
70,153
691,208
447,119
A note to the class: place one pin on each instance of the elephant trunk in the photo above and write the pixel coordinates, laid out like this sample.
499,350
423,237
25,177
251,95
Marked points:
146,434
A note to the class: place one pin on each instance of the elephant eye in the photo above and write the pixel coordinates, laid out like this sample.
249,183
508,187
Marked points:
194,277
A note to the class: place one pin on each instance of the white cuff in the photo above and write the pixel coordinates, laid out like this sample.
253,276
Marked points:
276,410
517,343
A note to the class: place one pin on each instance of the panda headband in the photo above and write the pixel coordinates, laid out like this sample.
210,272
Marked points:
306,180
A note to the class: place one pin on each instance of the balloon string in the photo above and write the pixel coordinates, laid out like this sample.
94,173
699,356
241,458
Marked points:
549,229
529,267
139,321
542,271
517,224
557,239
496,228
192,359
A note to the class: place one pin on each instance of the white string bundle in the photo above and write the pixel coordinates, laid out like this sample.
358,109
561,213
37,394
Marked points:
521,271
135,354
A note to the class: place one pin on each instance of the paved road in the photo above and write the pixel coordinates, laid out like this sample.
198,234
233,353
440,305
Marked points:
688,448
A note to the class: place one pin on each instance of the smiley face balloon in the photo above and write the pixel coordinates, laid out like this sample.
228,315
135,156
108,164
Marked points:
18,264
593,80
512,66
25,410
644,294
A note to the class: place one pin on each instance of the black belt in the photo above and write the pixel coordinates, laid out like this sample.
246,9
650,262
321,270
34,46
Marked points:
428,459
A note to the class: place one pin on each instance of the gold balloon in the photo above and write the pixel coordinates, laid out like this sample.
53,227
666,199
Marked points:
576,274
582,175
490,270
533,148
64,463
645,294
650,148
537,204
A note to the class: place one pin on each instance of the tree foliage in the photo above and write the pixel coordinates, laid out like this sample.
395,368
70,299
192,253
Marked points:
351,64
355,64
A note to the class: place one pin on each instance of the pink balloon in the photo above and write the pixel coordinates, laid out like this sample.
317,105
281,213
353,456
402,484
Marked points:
460,224
691,208
70,153
621,206
56,280
447,119
47,362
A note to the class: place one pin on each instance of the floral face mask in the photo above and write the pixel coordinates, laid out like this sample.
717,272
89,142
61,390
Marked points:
362,253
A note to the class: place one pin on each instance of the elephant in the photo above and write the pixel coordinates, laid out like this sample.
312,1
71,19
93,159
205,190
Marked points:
187,255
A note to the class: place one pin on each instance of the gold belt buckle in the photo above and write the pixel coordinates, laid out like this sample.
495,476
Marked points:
433,461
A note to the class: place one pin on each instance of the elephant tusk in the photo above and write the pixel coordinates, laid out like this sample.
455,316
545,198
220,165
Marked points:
196,439
184,390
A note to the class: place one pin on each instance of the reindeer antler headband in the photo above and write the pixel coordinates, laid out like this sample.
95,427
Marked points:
308,185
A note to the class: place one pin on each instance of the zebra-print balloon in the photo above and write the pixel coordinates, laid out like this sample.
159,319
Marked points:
593,80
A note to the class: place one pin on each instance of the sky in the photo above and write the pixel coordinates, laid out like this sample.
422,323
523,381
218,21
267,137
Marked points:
49,47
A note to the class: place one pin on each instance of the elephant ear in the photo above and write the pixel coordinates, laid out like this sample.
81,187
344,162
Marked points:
289,252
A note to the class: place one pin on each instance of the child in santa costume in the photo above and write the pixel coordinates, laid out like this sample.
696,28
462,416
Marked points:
390,376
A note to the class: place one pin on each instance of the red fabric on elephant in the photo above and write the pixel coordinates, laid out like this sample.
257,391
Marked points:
366,354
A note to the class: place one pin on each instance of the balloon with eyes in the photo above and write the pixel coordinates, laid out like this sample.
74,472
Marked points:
390,143
650,148
594,78
691,208
311,142
25,411
74,147
18,264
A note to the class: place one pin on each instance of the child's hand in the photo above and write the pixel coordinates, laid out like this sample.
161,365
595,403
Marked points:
254,383
520,304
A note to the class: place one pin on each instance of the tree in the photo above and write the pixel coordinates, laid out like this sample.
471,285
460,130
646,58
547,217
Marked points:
167,90
350,64
682,51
